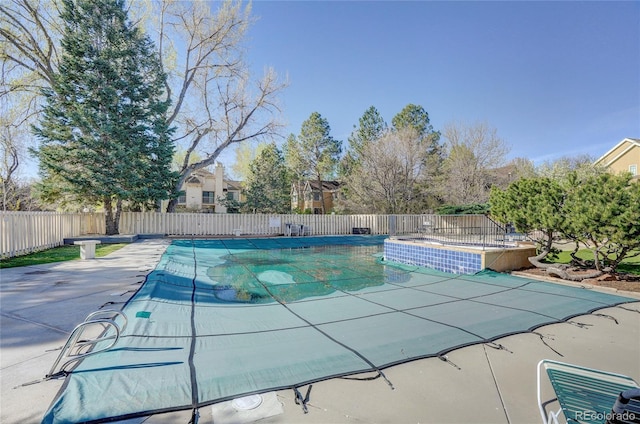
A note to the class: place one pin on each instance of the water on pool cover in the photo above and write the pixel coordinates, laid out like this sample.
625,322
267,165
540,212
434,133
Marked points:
289,275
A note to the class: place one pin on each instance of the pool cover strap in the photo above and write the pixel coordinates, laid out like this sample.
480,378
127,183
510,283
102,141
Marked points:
302,400
192,347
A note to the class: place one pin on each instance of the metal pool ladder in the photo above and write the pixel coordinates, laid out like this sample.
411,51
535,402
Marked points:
99,327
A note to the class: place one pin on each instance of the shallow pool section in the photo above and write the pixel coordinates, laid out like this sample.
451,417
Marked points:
457,259
221,319
439,258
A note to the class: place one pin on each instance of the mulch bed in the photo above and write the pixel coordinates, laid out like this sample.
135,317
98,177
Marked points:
621,281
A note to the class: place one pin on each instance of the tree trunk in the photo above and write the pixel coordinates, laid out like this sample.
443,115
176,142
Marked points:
171,206
566,275
111,226
613,265
116,218
535,260
558,270
596,257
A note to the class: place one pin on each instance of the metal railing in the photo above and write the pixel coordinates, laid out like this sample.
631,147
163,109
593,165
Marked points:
82,343
461,230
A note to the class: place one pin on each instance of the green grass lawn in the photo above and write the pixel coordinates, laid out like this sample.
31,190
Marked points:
630,265
57,254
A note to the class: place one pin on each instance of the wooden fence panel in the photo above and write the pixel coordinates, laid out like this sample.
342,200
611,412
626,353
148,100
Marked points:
25,232
192,224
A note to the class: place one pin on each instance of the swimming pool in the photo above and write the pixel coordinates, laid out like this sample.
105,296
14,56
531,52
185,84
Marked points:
220,319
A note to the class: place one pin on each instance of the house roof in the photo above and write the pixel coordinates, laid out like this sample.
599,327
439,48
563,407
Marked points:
234,185
203,172
326,185
632,142
505,171
192,179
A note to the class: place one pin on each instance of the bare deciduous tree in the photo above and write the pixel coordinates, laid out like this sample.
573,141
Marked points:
245,154
14,191
8,166
561,168
214,102
29,37
391,168
31,33
472,153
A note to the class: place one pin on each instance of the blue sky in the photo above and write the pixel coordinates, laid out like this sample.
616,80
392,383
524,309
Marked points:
554,78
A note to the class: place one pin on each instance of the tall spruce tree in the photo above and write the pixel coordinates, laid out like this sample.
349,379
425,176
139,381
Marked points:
104,133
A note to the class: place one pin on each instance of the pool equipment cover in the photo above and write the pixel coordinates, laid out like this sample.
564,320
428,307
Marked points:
222,319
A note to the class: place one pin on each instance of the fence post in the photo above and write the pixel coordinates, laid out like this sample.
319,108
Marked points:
392,225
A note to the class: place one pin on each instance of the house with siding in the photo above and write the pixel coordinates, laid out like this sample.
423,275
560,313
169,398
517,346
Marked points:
623,157
203,190
306,195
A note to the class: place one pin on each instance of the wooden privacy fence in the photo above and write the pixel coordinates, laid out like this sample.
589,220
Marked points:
25,232
193,224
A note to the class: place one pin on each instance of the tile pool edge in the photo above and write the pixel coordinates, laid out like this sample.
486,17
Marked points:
457,259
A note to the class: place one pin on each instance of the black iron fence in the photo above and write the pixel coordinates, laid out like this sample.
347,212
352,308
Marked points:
462,230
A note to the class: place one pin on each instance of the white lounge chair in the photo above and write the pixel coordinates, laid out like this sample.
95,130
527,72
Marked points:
585,395
293,229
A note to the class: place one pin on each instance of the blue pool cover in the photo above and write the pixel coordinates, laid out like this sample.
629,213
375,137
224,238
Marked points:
220,319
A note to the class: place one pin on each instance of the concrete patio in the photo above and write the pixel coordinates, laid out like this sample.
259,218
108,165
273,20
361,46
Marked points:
40,305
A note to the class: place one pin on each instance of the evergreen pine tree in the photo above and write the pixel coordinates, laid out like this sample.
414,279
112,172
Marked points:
414,116
104,133
318,150
371,127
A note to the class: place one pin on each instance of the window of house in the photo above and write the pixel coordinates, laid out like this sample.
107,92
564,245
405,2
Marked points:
182,199
316,196
633,169
231,195
208,197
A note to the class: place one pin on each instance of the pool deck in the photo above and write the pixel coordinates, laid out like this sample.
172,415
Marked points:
40,305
